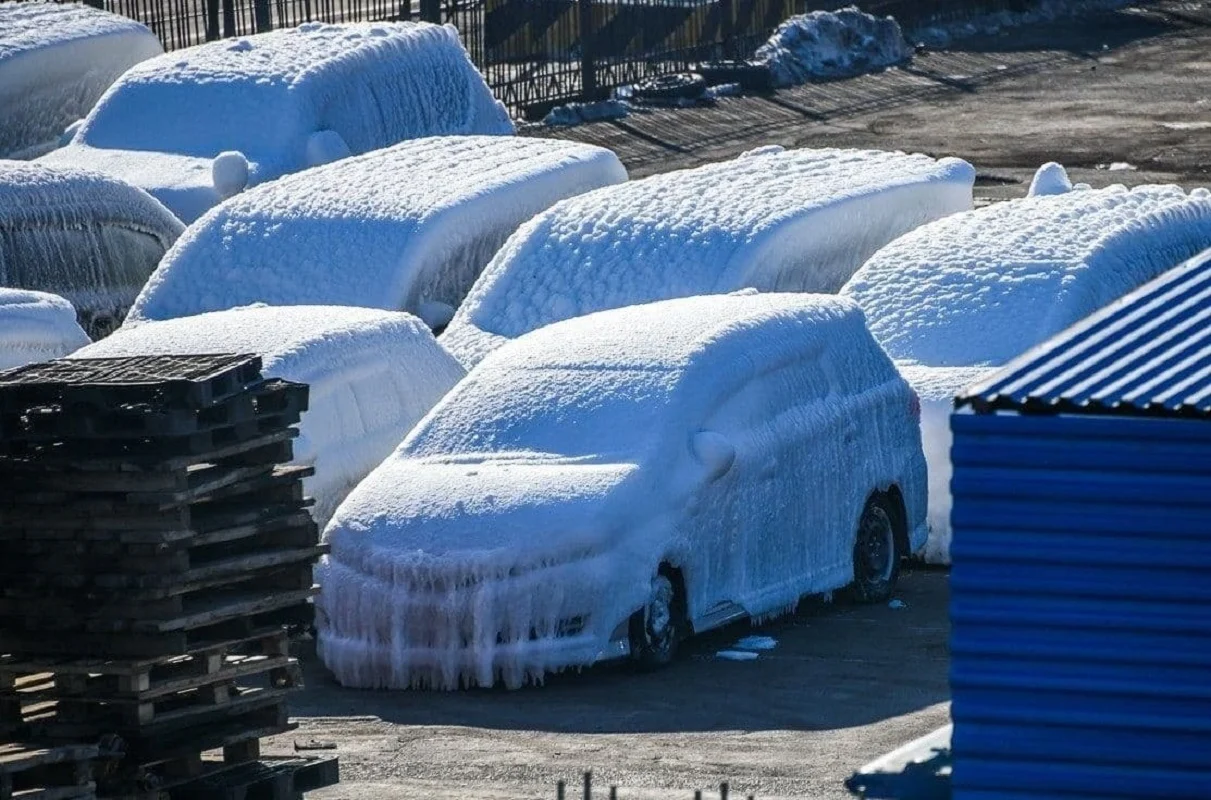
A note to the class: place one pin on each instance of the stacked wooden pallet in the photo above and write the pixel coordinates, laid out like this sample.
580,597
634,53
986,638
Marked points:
153,552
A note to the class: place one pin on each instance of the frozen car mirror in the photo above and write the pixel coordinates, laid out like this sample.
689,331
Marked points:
229,173
69,133
324,147
714,452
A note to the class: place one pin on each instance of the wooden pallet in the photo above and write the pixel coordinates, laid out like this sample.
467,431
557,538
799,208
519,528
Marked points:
234,449
35,772
265,779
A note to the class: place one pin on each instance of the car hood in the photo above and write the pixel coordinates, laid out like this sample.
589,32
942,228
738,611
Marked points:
182,183
469,519
939,385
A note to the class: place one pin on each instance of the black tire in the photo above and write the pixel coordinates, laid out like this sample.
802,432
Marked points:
657,629
753,76
878,551
684,86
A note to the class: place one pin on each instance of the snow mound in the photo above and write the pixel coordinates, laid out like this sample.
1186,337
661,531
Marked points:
832,44
1049,179
266,96
795,220
86,236
36,326
409,227
977,289
521,522
577,113
373,374
56,60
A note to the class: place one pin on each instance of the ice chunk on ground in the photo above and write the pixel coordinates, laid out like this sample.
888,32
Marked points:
369,84
522,521
736,655
576,113
795,220
405,228
897,604
1051,178
832,44
756,643
967,293
36,326
373,374
86,236
56,60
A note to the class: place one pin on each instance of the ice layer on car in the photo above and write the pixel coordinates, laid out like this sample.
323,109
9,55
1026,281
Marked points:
36,326
773,219
406,228
525,517
372,374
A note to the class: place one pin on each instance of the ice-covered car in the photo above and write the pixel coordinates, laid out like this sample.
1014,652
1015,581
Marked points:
956,298
773,219
373,374
35,326
77,233
56,60
196,126
408,228
609,484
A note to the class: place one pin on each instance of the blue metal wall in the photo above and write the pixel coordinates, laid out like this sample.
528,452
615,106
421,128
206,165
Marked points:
1081,607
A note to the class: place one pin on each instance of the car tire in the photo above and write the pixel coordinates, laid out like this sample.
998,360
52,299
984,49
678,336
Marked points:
682,86
657,628
877,553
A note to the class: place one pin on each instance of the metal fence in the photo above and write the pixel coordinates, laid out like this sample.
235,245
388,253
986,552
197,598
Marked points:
538,53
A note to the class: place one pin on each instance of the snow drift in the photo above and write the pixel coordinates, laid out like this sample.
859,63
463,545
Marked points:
523,520
958,296
372,374
86,236
56,59
832,44
406,228
35,326
281,102
775,220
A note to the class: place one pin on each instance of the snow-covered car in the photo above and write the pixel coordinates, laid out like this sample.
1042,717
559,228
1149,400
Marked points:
957,298
196,126
773,219
610,484
77,233
56,60
408,228
35,326
373,374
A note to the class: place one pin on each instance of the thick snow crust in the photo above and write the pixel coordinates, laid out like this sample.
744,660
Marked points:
774,219
373,374
36,326
405,228
968,293
56,60
523,520
832,44
86,236
282,100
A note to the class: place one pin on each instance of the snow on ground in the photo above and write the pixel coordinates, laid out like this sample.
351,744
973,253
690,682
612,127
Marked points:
56,59
284,101
405,228
576,113
36,326
775,220
761,643
832,44
956,297
737,655
990,24
373,374
86,236
539,497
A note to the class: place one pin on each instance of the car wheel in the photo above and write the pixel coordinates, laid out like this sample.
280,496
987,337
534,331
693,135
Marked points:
656,629
876,553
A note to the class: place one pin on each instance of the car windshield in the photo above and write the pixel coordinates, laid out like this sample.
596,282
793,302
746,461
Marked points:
572,412
195,119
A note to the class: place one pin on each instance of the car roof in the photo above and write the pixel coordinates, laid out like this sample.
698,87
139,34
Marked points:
37,195
33,26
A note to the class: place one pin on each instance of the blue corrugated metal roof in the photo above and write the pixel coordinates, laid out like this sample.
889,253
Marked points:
1148,353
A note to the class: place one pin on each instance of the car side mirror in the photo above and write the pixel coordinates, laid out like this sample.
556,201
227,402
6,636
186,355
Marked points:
714,452
324,147
229,173
69,133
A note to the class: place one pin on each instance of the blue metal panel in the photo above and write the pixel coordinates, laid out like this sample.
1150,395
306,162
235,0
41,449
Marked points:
1081,607
1148,353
